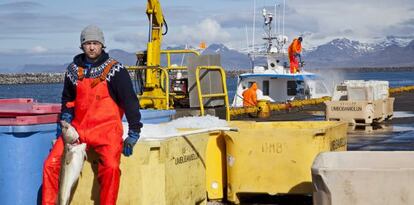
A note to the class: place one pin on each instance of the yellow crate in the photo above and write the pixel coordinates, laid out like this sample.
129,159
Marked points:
170,171
276,157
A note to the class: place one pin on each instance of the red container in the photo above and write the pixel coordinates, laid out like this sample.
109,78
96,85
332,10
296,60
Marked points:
29,120
26,107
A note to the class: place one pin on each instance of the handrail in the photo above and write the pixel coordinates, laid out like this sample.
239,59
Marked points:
169,52
224,94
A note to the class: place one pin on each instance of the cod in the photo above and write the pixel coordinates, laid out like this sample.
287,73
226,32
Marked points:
74,155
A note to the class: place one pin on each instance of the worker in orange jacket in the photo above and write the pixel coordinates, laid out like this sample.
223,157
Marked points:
97,92
294,54
250,96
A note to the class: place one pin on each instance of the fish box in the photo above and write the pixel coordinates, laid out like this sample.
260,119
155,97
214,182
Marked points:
177,170
355,112
363,177
276,157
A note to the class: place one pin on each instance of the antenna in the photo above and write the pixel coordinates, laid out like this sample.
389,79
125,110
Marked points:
254,22
276,28
247,38
283,23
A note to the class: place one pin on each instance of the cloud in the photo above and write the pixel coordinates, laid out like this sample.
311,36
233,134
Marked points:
31,22
208,30
130,41
128,38
38,50
235,20
19,6
409,22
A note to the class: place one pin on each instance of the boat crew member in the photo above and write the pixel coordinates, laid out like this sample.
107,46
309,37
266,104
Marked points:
294,51
97,92
250,96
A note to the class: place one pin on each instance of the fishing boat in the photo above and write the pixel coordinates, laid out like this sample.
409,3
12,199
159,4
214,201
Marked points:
272,75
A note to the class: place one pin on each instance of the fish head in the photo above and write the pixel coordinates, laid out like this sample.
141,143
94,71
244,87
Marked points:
69,133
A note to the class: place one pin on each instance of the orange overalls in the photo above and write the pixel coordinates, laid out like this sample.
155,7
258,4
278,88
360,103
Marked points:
295,47
98,120
250,96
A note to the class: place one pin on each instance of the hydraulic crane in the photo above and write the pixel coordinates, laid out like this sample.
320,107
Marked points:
156,80
153,95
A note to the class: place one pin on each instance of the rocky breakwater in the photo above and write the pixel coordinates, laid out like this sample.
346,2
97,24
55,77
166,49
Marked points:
31,78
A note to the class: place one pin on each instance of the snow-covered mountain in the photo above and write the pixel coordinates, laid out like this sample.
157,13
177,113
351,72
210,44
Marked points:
394,41
230,59
347,53
337,50
390,51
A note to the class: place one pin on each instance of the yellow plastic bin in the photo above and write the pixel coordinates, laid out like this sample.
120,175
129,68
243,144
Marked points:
163,172
276,157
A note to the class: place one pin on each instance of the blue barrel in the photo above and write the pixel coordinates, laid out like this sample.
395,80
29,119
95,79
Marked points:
23,150
155,116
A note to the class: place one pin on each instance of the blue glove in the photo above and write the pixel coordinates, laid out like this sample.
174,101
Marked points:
130,142
66,117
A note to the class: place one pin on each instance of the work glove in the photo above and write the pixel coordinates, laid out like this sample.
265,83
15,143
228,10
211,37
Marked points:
66,117
130,142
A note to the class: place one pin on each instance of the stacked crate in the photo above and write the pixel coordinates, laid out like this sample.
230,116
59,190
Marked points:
360,102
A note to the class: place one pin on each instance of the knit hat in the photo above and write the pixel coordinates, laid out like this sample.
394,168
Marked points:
92,33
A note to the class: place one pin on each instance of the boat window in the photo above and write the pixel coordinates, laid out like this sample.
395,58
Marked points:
265,87
291,88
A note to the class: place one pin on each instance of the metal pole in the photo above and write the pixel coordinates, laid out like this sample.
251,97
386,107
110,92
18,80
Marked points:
150,28
254,22
283,23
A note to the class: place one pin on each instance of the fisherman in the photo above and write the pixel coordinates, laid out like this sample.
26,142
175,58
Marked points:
250,96
294,51
97,91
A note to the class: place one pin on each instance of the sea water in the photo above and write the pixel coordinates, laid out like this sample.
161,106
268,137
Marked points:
52,92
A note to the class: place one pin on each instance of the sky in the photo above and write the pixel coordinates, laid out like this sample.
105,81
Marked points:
47,31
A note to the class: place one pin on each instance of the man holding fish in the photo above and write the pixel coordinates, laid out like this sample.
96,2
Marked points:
97,92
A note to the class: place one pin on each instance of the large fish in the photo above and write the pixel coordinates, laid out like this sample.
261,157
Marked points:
73,157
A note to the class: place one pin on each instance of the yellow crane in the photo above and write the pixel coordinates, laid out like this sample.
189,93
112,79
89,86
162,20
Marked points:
154,79
153,95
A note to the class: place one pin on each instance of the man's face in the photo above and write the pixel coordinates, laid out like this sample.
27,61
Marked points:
92,49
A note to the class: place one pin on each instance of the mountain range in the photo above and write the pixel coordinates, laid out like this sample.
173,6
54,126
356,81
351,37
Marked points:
346,53
338,53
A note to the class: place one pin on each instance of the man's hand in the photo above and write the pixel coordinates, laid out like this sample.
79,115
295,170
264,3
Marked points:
65,117
130,142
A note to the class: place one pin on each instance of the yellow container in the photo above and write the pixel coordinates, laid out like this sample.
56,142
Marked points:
170,171
216,167
264,108
276,157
